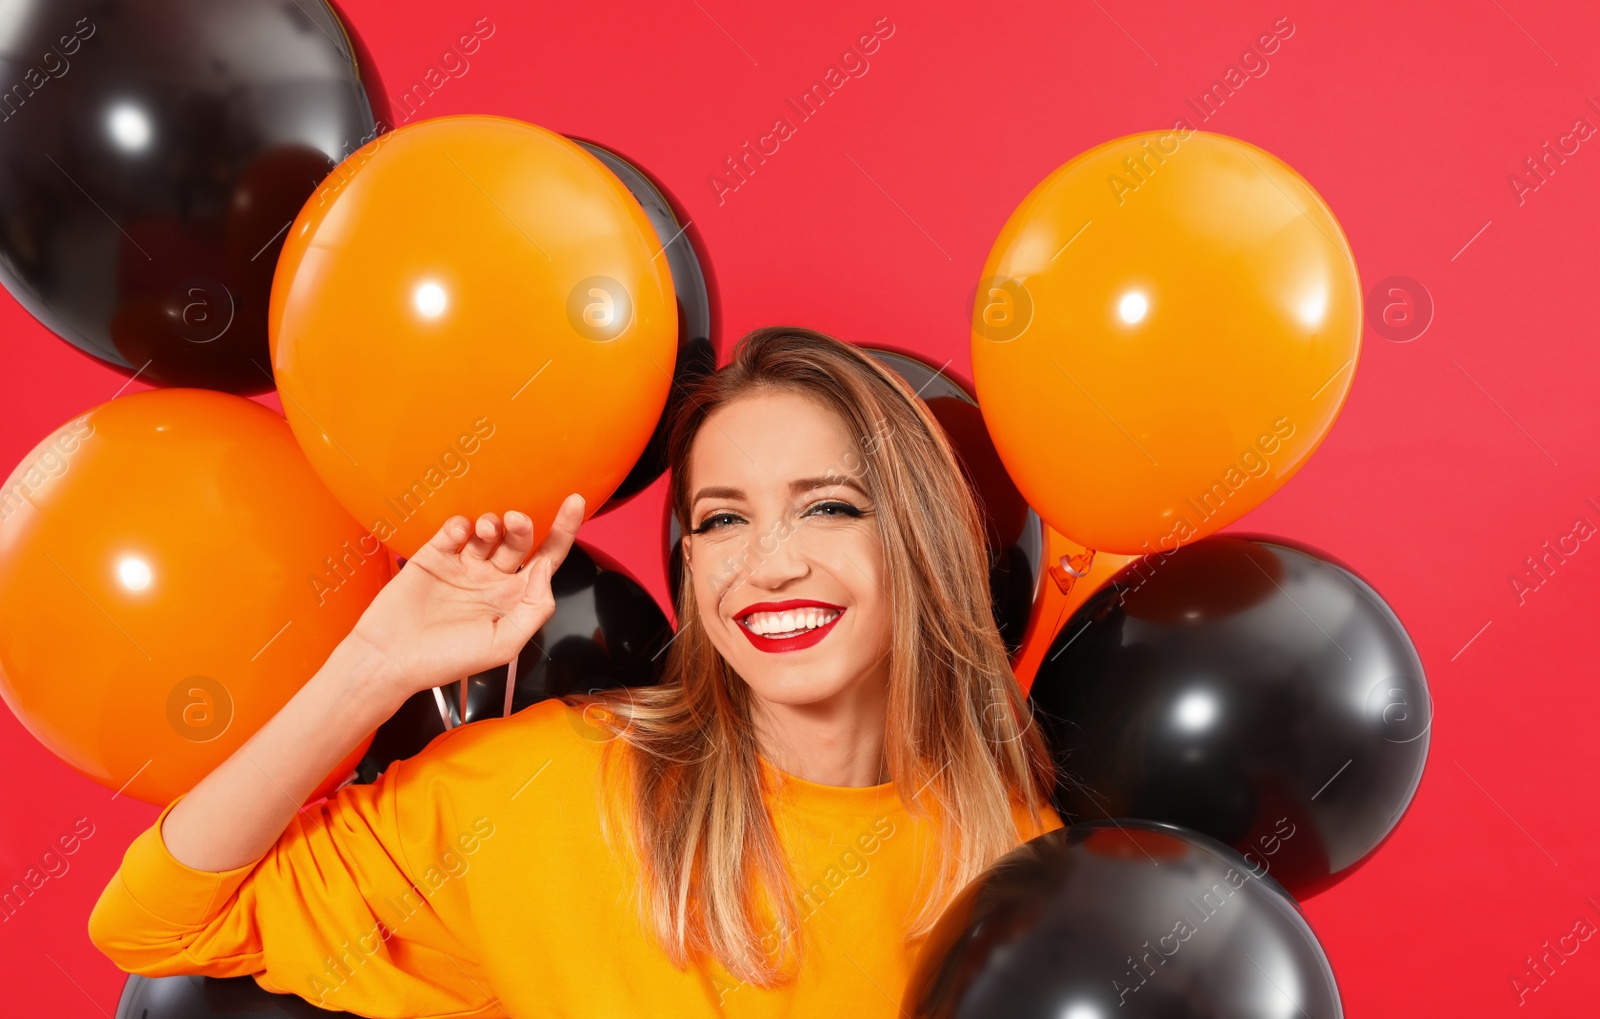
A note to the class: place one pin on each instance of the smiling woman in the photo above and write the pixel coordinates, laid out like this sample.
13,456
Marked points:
836,624
837,747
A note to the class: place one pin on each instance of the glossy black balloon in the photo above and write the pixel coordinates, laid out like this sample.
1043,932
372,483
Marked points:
1013,531
1240,686
152,155
696,356
1105,919
196,997
606,631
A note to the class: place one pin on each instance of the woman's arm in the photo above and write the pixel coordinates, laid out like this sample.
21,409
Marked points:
459,606
238,811
362,904
235,879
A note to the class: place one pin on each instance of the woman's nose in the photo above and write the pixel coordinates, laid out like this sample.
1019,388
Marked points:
772,558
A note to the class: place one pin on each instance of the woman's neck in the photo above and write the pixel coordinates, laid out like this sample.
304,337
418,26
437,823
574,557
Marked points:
838,742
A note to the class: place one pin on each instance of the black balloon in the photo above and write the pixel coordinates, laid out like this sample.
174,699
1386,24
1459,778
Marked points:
154,155
1014,533
1245,687
606,631
1132,918
196,997
367,70
697,358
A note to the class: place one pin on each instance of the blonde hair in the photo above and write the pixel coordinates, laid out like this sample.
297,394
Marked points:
958,729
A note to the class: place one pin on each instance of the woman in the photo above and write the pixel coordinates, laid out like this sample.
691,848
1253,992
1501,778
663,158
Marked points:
838,746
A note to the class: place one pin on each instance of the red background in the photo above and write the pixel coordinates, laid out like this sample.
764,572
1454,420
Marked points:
1457,455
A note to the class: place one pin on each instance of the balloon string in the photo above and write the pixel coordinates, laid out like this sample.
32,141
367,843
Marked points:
1070,569
444,710
511,685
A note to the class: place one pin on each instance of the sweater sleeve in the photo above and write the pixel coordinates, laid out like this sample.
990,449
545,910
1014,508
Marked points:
354,908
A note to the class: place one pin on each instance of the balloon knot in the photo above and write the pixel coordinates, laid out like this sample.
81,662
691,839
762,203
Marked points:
1070,569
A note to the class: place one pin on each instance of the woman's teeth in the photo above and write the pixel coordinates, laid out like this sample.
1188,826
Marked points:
776,624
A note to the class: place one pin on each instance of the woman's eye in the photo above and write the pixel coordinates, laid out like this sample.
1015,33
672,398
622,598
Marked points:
714,521
834,509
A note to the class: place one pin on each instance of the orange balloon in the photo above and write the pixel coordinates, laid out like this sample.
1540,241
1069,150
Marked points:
469,316
1166,329
171,572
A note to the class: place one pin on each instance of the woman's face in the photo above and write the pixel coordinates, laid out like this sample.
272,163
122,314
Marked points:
784,551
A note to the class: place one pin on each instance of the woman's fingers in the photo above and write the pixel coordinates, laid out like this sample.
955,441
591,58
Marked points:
532,610
563,530
538,602
514,545
505,544
485,538
448,538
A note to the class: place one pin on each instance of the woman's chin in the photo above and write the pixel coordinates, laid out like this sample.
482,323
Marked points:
796,688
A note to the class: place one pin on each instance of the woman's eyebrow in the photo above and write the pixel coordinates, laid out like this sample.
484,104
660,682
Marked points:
795,487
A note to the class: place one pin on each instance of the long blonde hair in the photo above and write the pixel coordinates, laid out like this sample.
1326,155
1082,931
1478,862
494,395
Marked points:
958,727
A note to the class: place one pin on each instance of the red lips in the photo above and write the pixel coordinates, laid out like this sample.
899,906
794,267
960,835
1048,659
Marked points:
785,606
780,644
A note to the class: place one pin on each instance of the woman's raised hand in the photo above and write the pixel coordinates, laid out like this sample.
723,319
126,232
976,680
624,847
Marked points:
468,600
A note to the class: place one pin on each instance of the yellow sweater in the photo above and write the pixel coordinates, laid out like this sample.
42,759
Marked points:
472,880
